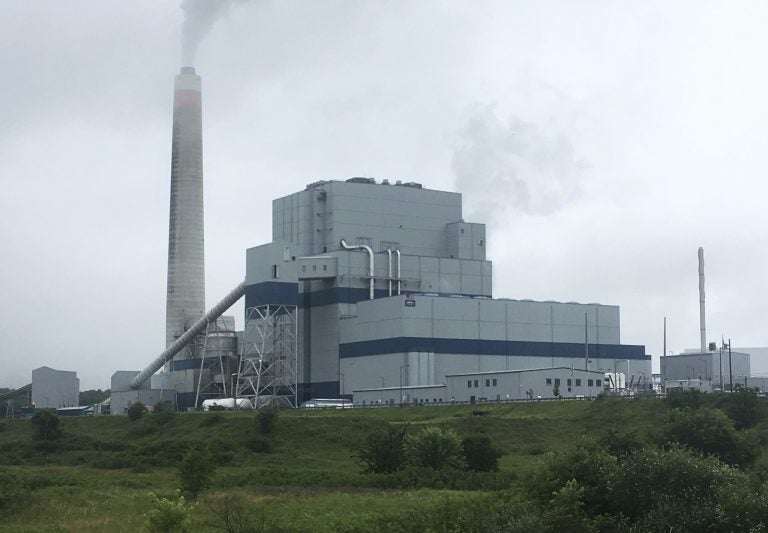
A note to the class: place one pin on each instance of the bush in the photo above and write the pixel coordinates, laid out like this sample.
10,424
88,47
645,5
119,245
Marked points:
265,420
479,454
742,407
259,444
565,511
234,514
136,410
211,420
382,450
169,515
12,492
47,425
196,471
682,399
434,448
711,432
589,465
670,490
621,443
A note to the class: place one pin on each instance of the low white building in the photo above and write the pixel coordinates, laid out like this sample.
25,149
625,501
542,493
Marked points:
504,385
530,384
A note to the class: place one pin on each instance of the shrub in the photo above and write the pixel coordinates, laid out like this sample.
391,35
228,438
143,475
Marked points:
163,406
196,471
383,449
670,490
742,407
259,444
265,420
479,454
589,465
169,515
621,443
565,511
435,448
47,425
136,410
211,420
711,432
234,514
12,492
682,399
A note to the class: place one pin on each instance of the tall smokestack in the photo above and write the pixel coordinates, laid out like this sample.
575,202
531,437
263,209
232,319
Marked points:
702,313
185,302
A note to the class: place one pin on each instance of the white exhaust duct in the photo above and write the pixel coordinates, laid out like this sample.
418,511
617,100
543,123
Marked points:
702,312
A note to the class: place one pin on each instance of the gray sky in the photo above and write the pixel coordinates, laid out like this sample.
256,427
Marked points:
602,141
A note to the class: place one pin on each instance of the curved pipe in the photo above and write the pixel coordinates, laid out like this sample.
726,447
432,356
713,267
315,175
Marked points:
370,262
389,270
397,252
196,329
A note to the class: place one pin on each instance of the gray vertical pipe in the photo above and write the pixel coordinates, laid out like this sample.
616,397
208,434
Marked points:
702,313
185,302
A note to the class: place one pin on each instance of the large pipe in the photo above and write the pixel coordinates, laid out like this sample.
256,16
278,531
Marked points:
197,328
370,261
702,313
397,252
389,270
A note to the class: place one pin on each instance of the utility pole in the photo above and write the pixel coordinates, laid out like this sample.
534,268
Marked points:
664,355
586,344
730,364
722,341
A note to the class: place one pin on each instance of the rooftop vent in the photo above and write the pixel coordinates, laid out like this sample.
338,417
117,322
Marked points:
357,179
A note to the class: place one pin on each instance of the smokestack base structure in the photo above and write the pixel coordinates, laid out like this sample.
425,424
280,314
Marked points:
185,302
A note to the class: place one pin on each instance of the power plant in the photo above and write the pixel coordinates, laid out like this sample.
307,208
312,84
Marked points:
366,287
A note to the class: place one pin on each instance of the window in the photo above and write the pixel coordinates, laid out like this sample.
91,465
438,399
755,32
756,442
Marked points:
325,268
303,268
495,382
275,271
314,268
569,382
487,382
481,242
557,381
597,383
549,381
578,382
469,383
461,230
476,385
590,383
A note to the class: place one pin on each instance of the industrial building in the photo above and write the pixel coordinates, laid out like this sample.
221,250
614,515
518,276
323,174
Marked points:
55,388
386,284
364,285
712,368
500,386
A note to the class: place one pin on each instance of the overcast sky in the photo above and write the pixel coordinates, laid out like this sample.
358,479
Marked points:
603,142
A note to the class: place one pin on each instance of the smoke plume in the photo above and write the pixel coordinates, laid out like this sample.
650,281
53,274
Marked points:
199,18
513,164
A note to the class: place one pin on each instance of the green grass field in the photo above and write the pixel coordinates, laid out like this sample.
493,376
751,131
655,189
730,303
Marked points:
100,476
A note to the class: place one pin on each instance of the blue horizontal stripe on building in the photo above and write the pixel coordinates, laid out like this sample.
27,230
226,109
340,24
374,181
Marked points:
490,347
283,293
188,364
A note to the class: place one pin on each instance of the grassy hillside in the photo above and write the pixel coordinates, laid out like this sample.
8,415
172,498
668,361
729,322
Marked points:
100,474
